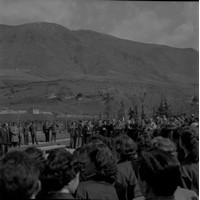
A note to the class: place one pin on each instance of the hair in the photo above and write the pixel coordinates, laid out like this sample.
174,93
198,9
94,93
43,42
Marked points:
167,131
104,161
19,176
126,147
189,141
143,142
176,134
164,144
160,171
61,168
38,156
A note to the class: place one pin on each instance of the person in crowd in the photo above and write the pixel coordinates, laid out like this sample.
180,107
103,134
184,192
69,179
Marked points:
126,149
54,129
4,139
26,133
98,174
129,128
73,135
87,131
166,145
143,142
21,135
112,128
19,176
80,135
159,175
104,128
15,134
45,130
38,156
167,131
190,165
175,137
10,134
98,126
33,131
61,175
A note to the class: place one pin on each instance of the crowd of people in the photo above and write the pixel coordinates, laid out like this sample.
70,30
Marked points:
17,134
81,131
152,159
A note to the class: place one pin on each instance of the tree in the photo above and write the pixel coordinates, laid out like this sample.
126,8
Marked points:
164,108
121,112
131,113
142,105
108,106
136,113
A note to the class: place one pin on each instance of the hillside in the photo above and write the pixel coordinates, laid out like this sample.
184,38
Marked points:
39,59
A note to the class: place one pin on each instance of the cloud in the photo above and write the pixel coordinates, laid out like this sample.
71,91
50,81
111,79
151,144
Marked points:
24,11
145,26
162,23
180,35
191,12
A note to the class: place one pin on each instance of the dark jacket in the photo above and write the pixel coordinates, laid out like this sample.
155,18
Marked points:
190,174
58,195
4,136
96,190
126,176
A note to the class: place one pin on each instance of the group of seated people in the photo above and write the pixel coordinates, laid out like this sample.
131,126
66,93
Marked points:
159,168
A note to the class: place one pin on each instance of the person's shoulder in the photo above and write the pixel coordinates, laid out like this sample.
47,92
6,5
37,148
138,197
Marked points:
185,194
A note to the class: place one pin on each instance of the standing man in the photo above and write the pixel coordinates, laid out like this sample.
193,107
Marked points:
54,128
4,139
33,131
45,129
80,135
14,134
26,133
21,135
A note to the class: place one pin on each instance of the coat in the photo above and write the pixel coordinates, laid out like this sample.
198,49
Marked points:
190,174
15,134
92,189
4,136
126,176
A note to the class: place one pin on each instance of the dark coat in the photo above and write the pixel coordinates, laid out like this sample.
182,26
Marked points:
190,174
4,136
92,189
58,195
126,176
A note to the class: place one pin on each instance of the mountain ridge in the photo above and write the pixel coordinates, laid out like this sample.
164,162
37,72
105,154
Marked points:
53,52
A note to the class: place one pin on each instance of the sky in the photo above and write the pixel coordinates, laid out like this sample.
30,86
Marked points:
168,23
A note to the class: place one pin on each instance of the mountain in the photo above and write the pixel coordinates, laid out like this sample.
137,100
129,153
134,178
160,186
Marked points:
40,59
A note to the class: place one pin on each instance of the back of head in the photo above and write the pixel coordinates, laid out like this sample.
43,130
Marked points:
126,147
101,158
160,171
18,176
188,140
38,156
61,167
164,144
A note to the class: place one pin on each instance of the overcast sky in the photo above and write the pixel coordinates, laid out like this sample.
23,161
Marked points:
169,23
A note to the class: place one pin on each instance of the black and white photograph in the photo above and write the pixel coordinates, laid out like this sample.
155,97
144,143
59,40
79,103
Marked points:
99,100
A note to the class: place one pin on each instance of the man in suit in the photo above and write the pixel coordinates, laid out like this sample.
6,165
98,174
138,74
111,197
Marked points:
33,131
4,139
